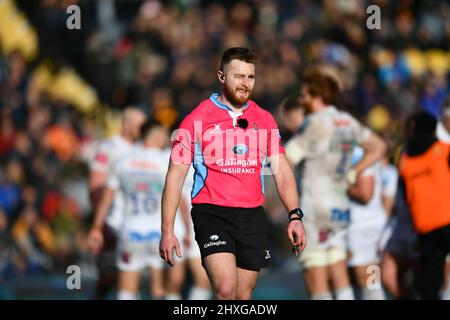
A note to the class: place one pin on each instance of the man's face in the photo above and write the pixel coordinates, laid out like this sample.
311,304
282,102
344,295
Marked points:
162,137
159,137
239,81
306,99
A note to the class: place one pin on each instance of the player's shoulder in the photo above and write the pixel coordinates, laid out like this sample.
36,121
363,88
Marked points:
261,112
106,143
345,119
106,149
316,121
115,141
156,154
165,153
134,152
336,113
346,116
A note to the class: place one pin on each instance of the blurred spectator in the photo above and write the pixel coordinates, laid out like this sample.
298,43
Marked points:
34,239
7,135
163,108
9,194
62,139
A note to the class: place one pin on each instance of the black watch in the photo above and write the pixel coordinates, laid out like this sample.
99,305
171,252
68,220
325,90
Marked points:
296,214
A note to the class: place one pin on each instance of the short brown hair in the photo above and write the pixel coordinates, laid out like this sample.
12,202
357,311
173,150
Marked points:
321,85
238,53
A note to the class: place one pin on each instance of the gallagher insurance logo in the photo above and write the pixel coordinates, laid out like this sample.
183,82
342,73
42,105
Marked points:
214,241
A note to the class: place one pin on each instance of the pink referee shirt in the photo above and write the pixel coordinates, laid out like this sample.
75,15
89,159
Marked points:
228,160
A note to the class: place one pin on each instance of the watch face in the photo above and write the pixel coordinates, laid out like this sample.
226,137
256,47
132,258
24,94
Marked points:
296,212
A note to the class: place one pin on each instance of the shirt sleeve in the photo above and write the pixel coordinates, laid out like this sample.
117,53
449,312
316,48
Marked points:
113,180
274,145
369,172
362,133
102,159
183,142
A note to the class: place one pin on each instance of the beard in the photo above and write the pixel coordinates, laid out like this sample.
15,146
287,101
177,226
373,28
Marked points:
234,98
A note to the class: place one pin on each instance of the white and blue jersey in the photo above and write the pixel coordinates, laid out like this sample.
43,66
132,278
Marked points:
140,176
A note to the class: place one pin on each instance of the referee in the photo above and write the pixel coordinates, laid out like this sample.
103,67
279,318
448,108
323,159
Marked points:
229,139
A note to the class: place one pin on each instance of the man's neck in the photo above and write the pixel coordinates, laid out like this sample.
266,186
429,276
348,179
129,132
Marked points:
223,99
151,145
318,107
127,138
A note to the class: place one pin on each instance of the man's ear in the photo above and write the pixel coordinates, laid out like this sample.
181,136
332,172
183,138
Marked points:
221,76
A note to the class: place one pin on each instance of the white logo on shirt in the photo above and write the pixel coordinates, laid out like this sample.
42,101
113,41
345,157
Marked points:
267,254
217,128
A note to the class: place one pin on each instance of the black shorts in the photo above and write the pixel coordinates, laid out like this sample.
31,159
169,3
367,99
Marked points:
241,231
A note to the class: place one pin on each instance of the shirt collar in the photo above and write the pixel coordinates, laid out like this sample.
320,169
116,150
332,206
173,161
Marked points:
219,104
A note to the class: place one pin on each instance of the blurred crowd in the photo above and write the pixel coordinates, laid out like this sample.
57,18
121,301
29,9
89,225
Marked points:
162,56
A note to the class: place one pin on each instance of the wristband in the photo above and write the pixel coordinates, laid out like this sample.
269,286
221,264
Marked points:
297,212
295,218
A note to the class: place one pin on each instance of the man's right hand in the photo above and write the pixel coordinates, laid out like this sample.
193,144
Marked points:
95,240
166,245
297,235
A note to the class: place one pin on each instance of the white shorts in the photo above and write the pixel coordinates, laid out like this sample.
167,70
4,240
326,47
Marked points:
138,250
139,243
324,247
133,259
364,243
